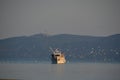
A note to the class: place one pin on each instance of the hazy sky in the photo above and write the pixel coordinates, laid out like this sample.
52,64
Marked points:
82,17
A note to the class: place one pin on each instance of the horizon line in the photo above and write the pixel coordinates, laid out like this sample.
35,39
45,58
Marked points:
58,34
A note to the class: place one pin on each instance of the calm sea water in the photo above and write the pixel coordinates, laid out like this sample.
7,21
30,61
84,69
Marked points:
73,71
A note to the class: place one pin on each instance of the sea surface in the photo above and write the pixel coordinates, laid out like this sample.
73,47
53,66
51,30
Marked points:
71,71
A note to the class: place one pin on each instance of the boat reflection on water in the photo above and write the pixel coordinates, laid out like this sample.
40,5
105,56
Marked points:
58,70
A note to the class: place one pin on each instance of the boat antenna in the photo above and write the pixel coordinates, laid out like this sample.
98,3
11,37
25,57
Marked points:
51,49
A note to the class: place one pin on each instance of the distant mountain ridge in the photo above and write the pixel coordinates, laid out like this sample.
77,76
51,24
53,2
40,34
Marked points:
76,48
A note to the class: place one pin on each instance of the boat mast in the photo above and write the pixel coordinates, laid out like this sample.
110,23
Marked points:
51,49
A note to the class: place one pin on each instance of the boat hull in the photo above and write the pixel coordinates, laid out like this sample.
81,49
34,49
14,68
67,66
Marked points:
57,59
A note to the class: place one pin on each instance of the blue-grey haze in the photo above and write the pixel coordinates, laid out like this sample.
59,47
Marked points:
82,17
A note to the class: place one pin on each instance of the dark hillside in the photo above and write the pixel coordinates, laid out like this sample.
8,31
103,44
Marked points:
76,48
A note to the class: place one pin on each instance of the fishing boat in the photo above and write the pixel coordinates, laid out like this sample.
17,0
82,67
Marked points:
57,57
